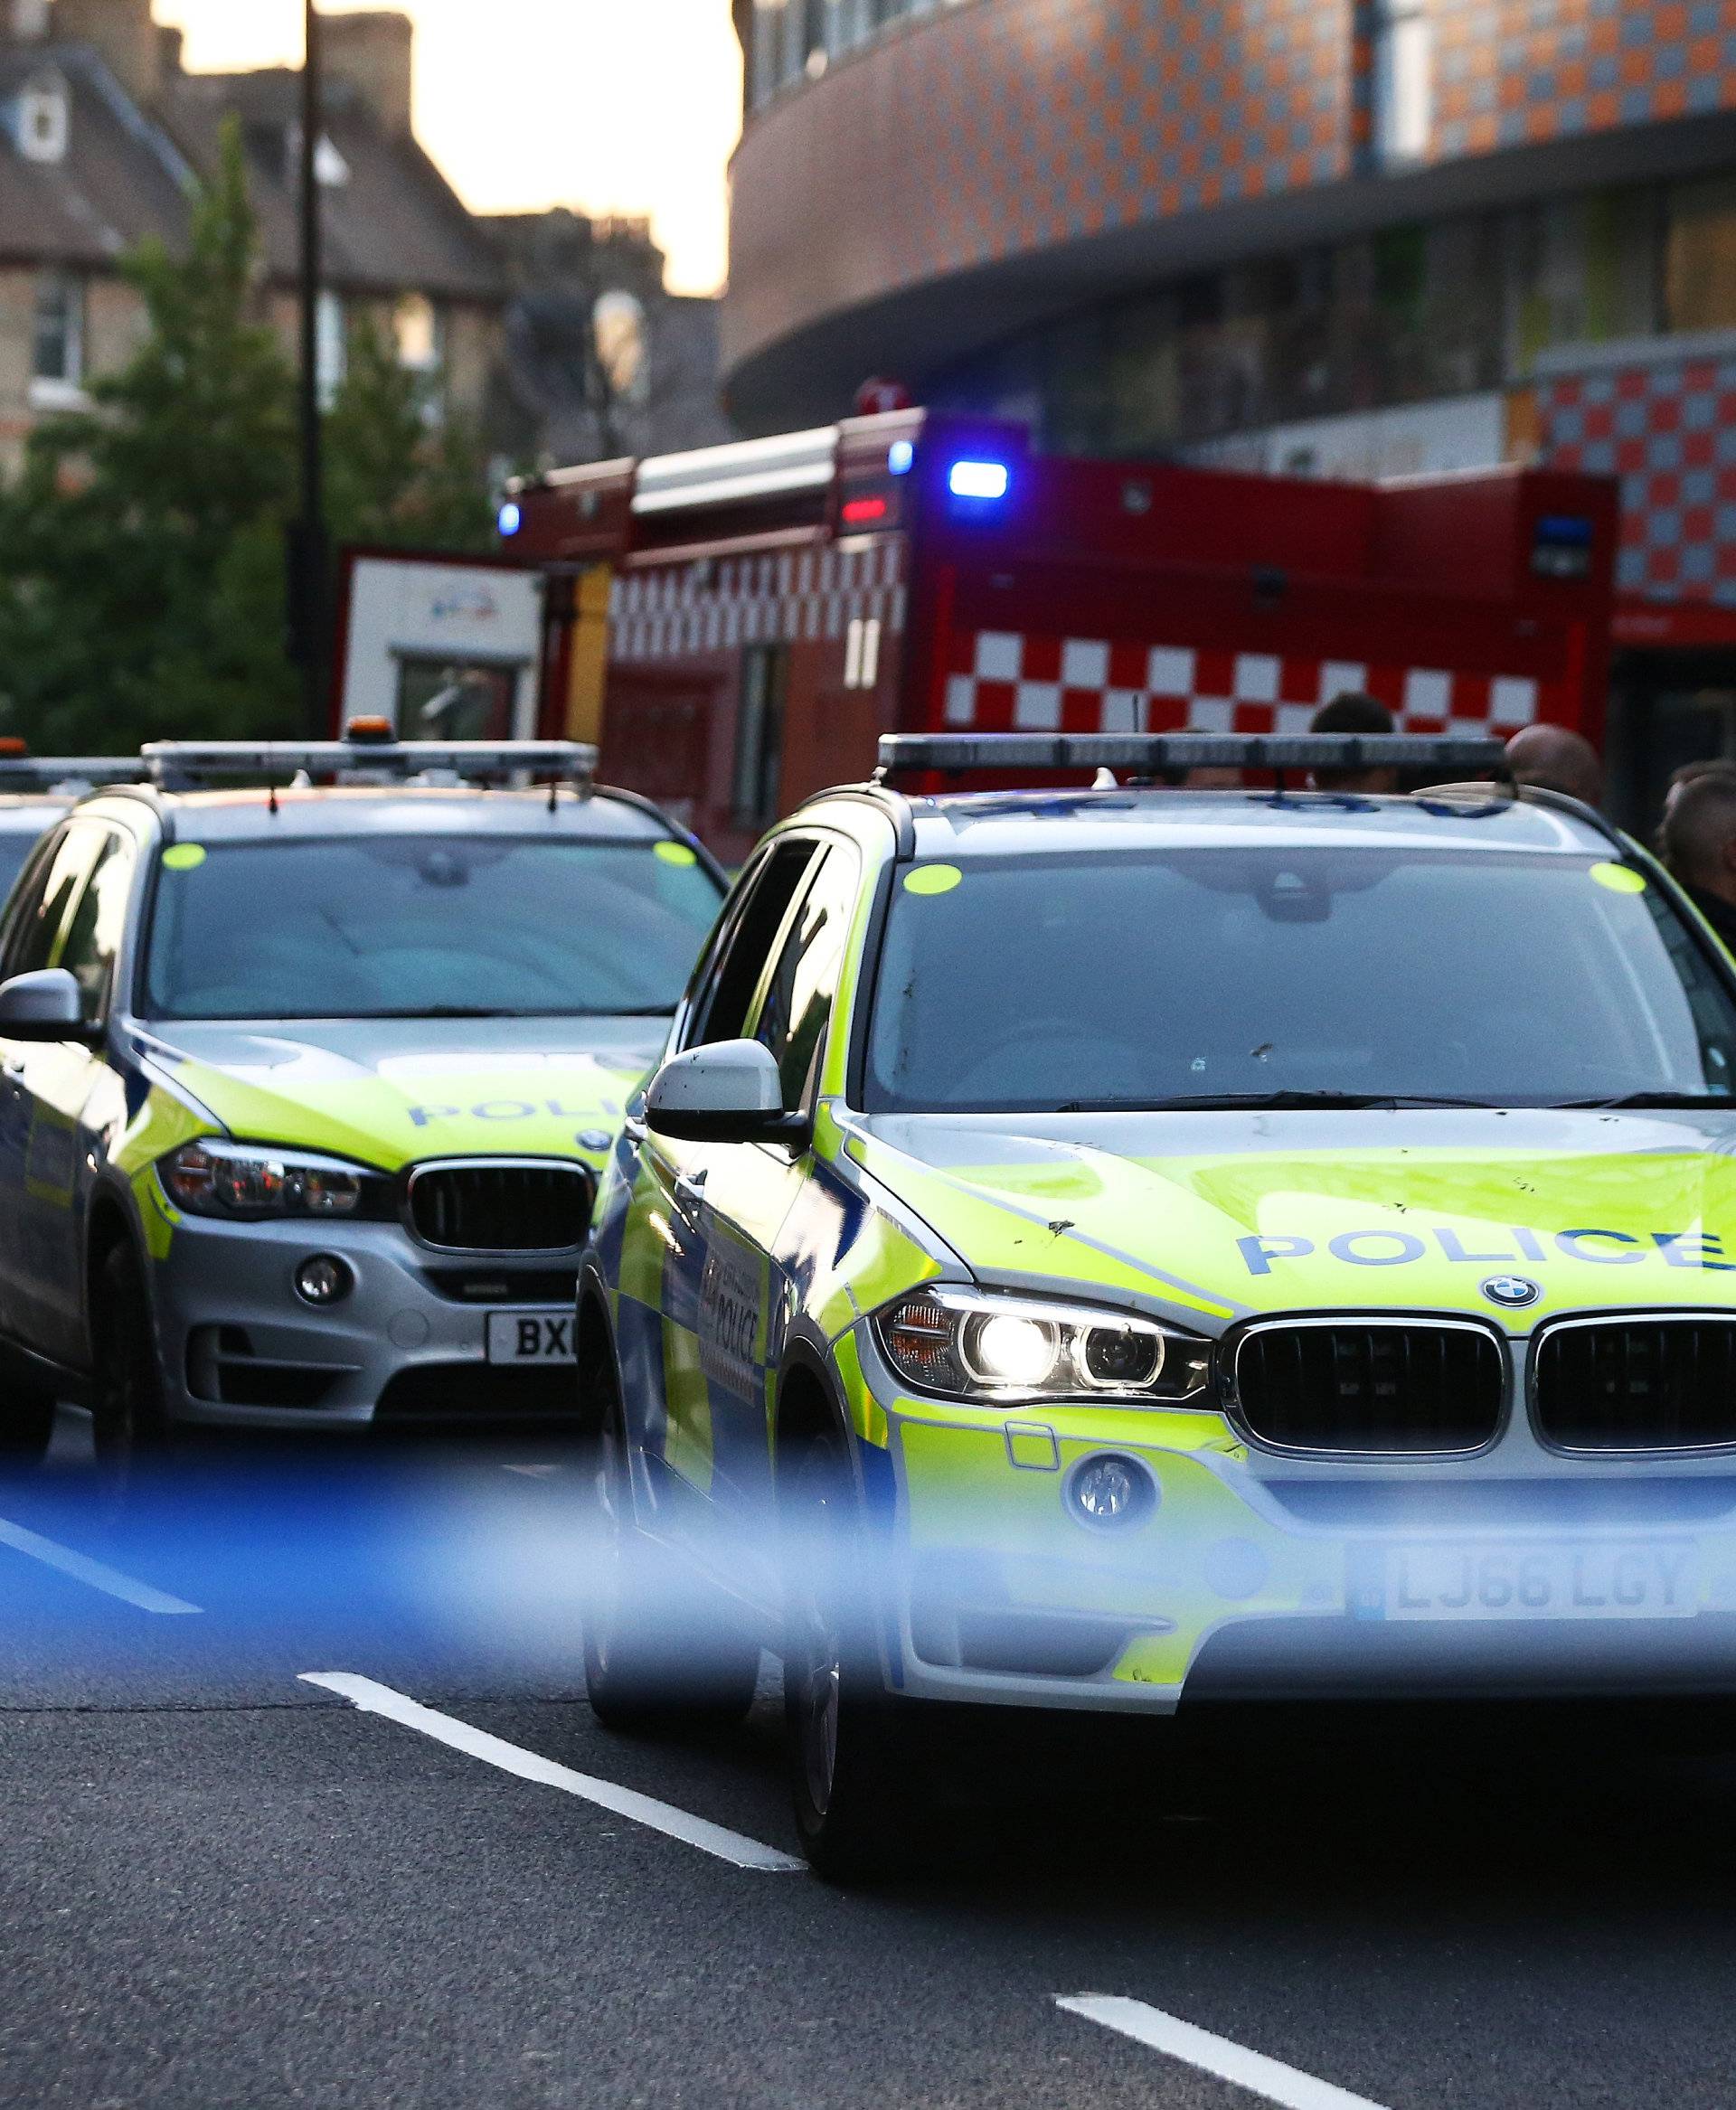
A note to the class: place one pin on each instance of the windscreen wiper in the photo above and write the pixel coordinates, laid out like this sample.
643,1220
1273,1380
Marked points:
1270,1102
1647,1099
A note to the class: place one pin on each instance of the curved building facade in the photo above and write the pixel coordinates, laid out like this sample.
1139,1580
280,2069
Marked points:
1163,221
1319,237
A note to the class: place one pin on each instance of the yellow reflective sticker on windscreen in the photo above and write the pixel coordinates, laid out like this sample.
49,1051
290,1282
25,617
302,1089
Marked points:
675,853
1620,879
932,879
183,857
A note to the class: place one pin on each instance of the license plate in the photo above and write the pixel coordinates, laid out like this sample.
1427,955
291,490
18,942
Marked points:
1578,1579
530,1337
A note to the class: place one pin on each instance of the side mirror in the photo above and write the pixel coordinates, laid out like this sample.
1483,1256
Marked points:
730,1092
48,1005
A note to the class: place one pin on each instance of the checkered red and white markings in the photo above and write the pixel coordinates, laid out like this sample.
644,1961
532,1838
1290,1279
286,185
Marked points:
1668,430
1008,682
675,611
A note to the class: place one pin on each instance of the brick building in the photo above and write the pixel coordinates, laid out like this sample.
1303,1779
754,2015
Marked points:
102,136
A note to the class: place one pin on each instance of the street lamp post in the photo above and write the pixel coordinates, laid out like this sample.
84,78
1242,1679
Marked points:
308,567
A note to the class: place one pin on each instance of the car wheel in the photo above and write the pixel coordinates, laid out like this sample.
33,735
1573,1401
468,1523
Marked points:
850,1742
129,1424
660,1649
26,1423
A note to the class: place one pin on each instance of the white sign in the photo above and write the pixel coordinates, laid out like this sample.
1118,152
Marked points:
467,615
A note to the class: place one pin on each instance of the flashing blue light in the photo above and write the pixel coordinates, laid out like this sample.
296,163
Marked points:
987,480
901,458
511,518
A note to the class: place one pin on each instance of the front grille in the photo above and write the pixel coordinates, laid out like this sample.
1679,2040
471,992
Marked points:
1365,1387
489,1208
1638,1385
473,1392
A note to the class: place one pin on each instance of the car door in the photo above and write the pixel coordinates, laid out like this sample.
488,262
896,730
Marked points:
662,1378
749,1189
41,908
73,1092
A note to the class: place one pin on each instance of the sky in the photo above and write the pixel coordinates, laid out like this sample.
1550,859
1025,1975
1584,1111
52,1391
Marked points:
612,106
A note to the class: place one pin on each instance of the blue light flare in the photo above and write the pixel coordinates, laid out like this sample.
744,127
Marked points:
982,480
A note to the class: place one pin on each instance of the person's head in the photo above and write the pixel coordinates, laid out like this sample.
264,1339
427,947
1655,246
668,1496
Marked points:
1554,758
1699,834
1351,711
1690,773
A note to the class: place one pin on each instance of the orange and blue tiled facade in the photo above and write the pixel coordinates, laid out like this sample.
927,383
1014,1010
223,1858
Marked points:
1001,130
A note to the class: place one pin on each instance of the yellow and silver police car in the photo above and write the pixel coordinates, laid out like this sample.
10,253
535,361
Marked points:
1117,1248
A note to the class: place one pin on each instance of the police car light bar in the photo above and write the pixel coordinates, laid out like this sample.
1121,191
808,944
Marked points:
67,773
183,760
1151,753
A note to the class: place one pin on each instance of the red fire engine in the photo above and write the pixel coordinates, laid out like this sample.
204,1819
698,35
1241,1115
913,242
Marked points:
735,628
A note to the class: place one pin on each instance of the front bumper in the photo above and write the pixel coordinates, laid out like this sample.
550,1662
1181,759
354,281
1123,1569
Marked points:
239,1348
1251,1577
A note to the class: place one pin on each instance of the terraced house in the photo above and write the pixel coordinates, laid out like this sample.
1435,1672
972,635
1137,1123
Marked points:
102,136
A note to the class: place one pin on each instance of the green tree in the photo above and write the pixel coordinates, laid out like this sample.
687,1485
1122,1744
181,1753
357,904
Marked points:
396,476
142,548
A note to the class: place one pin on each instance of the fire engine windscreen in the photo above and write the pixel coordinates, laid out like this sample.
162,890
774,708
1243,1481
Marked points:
415,927
1076,981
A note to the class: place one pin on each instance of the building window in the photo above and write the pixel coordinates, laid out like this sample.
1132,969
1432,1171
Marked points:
332,362
44,118
30,20
419,329
57,354
623,355
1404,89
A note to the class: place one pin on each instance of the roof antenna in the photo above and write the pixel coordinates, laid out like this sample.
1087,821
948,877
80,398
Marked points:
271,776
554,795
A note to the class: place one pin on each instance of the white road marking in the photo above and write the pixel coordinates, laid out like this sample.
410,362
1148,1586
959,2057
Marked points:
1230,2062
740,1852
96,1573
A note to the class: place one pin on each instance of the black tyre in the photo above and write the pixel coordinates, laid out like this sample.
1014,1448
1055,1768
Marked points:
851,1744
129,1424
661,1650
26,1422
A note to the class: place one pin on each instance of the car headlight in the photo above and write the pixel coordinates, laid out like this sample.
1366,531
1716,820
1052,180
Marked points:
253,1180
971,1345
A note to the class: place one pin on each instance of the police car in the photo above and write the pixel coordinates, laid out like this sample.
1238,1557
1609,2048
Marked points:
1144,1246
304,1091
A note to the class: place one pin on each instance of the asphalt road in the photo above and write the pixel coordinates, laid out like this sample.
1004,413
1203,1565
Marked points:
220,1885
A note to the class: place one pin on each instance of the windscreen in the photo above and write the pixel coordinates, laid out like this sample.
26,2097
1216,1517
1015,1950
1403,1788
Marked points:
425,927
1139,979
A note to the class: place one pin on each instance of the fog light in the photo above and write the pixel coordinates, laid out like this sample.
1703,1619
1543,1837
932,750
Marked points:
324,1280
1111,1491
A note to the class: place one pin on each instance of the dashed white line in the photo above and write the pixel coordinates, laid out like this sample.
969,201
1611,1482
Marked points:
1229,2061
733,1847
97,1574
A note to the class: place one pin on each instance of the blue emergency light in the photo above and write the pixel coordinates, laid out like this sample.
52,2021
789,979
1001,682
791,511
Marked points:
900,457
984,481
511,518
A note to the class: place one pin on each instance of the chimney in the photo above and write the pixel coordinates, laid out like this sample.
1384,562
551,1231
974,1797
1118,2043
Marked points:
122,33
374,54
170,45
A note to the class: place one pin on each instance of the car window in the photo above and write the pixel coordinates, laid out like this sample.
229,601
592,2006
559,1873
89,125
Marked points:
1157,977
726,1004
93,936
426,926
797,1006
41,913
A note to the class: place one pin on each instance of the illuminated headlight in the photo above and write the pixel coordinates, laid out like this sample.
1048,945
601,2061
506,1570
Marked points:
251,1180
972,1345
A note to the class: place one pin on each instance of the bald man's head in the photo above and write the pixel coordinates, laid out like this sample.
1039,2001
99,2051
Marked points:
1699,834
1555,758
